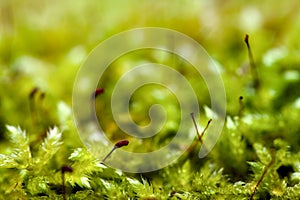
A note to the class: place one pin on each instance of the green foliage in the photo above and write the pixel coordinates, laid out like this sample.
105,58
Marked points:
94,180
21,156
42,45
27,173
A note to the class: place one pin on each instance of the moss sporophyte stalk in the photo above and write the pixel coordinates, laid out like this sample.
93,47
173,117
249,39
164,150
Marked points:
117,145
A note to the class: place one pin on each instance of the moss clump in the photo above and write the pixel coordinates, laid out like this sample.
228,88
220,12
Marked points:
42,46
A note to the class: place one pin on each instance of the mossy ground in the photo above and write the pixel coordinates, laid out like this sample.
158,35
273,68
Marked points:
43,44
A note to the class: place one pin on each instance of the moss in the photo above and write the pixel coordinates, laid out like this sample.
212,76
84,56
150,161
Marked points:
42,46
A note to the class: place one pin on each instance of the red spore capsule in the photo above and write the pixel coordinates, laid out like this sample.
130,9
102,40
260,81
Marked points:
122,143
66,168
98,92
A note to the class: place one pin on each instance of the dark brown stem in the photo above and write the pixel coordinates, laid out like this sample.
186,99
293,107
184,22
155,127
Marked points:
256,82
63,186
32,105
262,176
94,95
64,169
196,127
195,143
204,130
36,97
241,109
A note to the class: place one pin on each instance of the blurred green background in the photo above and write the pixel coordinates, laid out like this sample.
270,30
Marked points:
43,43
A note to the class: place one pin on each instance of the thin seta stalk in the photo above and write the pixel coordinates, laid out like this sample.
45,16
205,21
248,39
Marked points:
32,105
35,102
263,175
241,108
256,82
93,97
65,169
200,136
119,144
192,147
